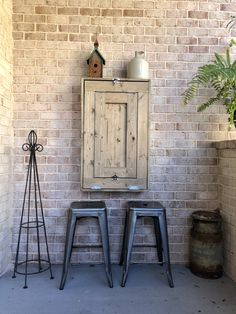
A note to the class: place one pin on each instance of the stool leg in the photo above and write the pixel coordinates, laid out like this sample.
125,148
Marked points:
77,218
158,239
131,222
102,218
68,247
165,244
123,241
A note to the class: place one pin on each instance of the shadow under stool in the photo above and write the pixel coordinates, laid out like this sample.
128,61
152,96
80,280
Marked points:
80,210
137,209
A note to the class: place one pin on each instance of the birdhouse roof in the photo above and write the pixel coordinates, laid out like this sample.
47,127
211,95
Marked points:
98,53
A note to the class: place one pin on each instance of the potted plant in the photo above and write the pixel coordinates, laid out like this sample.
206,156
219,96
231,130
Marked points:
220,74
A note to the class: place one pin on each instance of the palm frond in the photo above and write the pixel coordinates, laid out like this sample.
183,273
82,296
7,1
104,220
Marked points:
190,93
220,60
220,74
205,105
231,23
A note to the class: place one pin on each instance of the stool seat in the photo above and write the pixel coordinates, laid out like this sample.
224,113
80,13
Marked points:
146,205
87,205
156,210
86,209
81,209
146,209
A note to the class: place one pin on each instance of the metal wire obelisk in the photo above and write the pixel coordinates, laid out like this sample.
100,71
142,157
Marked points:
32,223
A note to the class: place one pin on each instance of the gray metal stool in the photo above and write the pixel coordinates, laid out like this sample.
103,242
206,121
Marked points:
79,210
155,210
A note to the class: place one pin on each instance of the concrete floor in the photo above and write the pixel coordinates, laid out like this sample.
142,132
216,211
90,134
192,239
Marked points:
146,292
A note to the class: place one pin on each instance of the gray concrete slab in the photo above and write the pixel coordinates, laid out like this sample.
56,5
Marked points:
146,292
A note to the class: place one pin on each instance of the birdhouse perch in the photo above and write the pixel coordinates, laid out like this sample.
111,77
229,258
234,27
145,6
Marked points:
95,62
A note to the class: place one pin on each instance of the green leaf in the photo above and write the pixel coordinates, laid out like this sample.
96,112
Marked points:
220,60
228,57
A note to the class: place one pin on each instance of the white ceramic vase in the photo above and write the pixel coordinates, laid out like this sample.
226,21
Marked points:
138,67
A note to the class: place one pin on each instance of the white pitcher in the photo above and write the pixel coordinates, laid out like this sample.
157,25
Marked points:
138,67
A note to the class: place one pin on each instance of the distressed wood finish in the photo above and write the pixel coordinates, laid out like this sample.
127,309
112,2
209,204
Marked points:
115,130
95,68
114,135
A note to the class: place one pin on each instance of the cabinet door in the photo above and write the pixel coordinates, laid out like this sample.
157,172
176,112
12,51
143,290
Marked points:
115,120
115,145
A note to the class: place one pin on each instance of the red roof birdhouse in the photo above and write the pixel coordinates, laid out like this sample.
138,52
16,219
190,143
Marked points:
95,62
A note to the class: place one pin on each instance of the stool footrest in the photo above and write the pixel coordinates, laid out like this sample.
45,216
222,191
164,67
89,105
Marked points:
159,263
86,246
144,245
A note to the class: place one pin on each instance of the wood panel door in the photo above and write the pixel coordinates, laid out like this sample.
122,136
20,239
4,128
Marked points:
114,135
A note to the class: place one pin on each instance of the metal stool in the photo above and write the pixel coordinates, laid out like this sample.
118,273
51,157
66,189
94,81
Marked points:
158,213
79,210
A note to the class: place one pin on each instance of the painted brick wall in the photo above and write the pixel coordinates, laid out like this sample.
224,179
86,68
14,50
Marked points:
227,197
6,134
52,40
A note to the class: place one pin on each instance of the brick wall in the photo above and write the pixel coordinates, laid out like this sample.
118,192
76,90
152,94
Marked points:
227,197
6,135
52,40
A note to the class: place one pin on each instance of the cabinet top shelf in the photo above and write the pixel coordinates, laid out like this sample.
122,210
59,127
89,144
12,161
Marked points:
121,79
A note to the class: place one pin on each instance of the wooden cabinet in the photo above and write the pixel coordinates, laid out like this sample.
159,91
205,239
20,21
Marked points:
114,134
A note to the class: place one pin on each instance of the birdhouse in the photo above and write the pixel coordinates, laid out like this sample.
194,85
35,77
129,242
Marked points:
95,62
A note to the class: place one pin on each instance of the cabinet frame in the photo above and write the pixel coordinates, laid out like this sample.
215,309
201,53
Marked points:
89,168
